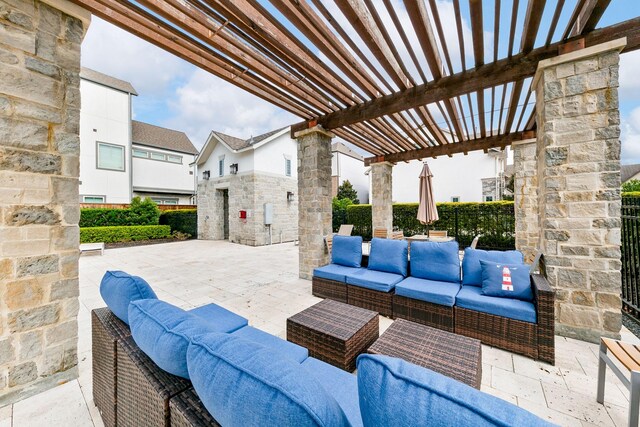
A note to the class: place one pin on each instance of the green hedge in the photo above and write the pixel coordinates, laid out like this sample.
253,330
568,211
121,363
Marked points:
494,220
124,233
140,212
184,221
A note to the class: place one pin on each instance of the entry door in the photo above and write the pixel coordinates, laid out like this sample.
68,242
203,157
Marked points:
225,213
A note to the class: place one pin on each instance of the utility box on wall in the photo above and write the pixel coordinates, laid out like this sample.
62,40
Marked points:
268,213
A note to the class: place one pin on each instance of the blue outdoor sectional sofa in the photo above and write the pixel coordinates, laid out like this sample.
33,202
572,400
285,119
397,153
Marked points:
208,367
437,290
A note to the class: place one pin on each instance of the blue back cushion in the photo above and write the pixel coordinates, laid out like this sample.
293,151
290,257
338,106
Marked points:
163,332
506,280
118,289
346,250
398,393
242,383
389,255
472,270
435,261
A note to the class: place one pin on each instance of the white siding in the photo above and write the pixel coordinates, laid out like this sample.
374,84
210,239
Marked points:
107,111
148,173
348,168
244,161
270,157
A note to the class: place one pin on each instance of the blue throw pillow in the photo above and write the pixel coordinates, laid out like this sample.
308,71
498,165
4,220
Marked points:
118,289
395,393
163,331
389,255
346,250
242,383
471,269
436,261
506,280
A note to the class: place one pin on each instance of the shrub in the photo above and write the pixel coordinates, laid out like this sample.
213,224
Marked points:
346,191
631,186
339,212
140,212
183,221
360,217
124,233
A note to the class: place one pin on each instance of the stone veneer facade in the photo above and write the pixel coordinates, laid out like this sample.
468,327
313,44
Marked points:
577,179
249,192
381,195
314,197
39,210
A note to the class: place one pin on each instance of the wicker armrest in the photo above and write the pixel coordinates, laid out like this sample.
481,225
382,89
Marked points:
545,310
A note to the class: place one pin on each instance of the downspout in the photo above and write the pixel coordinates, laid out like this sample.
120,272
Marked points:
130,153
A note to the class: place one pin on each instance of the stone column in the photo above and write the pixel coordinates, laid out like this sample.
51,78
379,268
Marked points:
526,198
381,195
578,151
39,202
314,197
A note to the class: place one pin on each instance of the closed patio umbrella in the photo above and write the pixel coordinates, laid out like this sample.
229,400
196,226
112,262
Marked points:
427,212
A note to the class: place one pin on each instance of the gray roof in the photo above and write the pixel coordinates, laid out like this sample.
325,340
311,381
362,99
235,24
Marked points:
156,136
629,171
239,144
103,79
339,147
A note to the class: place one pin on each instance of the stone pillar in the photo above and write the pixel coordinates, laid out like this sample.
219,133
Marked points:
381,195
39,202
578,151
314,197
526,198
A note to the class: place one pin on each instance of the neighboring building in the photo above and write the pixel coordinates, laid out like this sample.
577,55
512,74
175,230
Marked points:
629,172
247,188
347,165
121,158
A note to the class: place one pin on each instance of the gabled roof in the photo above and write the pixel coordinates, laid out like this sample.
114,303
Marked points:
159,137
105,80
237,144
628,171
339,147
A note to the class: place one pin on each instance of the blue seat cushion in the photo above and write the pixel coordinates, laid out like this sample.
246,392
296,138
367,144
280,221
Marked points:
219,319
389,256
118,289
342,385
286,348
471,297
506,280
243,383
395,393
163,331
334,272
435,261
375,280
435,292
472,270
346,250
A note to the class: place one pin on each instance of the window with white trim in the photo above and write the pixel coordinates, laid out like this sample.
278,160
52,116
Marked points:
174,159
455,199
93,199
140,153
488,198
287,167
165,201
158,156
221,166
110,156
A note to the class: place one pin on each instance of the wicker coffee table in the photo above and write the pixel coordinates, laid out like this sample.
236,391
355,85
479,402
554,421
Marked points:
334,332
452,355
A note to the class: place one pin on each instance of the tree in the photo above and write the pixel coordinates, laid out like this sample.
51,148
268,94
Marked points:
339,212
630,186
346,191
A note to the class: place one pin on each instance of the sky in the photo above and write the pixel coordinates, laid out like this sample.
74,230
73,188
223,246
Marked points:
178,95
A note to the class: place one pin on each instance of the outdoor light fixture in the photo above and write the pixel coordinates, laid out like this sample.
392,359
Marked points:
206,175
289,196
233,168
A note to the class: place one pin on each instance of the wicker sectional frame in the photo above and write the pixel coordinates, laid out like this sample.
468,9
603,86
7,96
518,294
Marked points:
329,289
382,302
186,410
425,313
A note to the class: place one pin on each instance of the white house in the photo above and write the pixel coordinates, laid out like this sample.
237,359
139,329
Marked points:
121,158
347,165
247,188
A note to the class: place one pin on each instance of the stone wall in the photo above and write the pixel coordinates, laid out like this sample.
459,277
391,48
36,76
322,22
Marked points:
248,192
314,198
578,161
526,198
381,195
39,210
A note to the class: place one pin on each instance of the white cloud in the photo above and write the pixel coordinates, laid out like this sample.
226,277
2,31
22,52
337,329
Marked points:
629,81
206,103
630,129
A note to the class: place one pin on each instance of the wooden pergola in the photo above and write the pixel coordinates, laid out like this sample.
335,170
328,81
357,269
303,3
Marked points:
398,101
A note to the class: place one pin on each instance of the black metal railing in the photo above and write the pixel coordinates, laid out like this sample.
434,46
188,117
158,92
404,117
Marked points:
631,255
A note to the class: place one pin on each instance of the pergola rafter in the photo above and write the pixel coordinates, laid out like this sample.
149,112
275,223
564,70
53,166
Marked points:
353,66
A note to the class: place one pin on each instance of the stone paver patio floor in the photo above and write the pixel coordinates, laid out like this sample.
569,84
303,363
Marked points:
262,284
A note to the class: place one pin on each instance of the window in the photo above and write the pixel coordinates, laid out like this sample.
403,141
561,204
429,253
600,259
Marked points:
221,167
140,153
488,198
158,156
455,199
287,167
110,157
163,201
92,199
174,159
